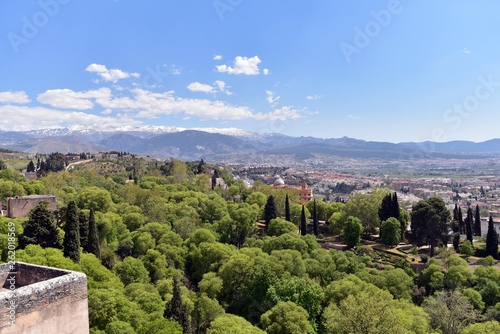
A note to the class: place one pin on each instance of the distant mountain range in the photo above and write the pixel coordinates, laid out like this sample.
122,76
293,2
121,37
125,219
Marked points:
170,141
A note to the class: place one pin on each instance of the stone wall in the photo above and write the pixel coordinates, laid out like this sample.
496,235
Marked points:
46,300
19,206
27,274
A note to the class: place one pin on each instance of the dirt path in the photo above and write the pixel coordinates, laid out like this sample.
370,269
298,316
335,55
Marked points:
77,163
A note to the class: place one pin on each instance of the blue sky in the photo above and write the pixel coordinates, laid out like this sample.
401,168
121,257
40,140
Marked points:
375,70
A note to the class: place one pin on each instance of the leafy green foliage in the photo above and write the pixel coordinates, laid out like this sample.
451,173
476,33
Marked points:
390,231
237,278
450,312
366,312
279,227
286,318
352,231
467,248
489,327
161,326
365,208
430,222
94,198
40,229
230,323
132,270
303,292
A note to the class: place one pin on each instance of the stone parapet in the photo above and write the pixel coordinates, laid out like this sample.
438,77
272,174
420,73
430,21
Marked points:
43,300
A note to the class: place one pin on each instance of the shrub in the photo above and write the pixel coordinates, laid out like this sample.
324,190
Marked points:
414,251
487,261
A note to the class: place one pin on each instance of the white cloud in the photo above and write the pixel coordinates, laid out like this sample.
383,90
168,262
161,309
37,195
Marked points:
466,51
148,104
112,102
151,105
314,97
282,114
199,87
242,65
265,71
217,57
353,117
271,99
132,104
176,70
14,97
22,118
68,99
110,75
222,87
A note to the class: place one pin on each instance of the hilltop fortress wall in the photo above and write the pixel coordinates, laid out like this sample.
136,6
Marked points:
19,206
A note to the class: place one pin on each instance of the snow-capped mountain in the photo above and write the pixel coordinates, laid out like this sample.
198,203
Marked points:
145,131
166,141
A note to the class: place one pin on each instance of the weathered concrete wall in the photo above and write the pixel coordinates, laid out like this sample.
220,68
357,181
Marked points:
49,300
19,206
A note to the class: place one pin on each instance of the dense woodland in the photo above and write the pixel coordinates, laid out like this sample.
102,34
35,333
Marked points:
167,252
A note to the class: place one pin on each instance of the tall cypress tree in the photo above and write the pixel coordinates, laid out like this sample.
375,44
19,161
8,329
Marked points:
176,310
93,239
214,181
31,167
395,207
384,212
461,221
71,241
456,241
84,229
492,240
469,221
303,224
315,220
201,166
287,209
477,222
455,213
40,229
269,210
